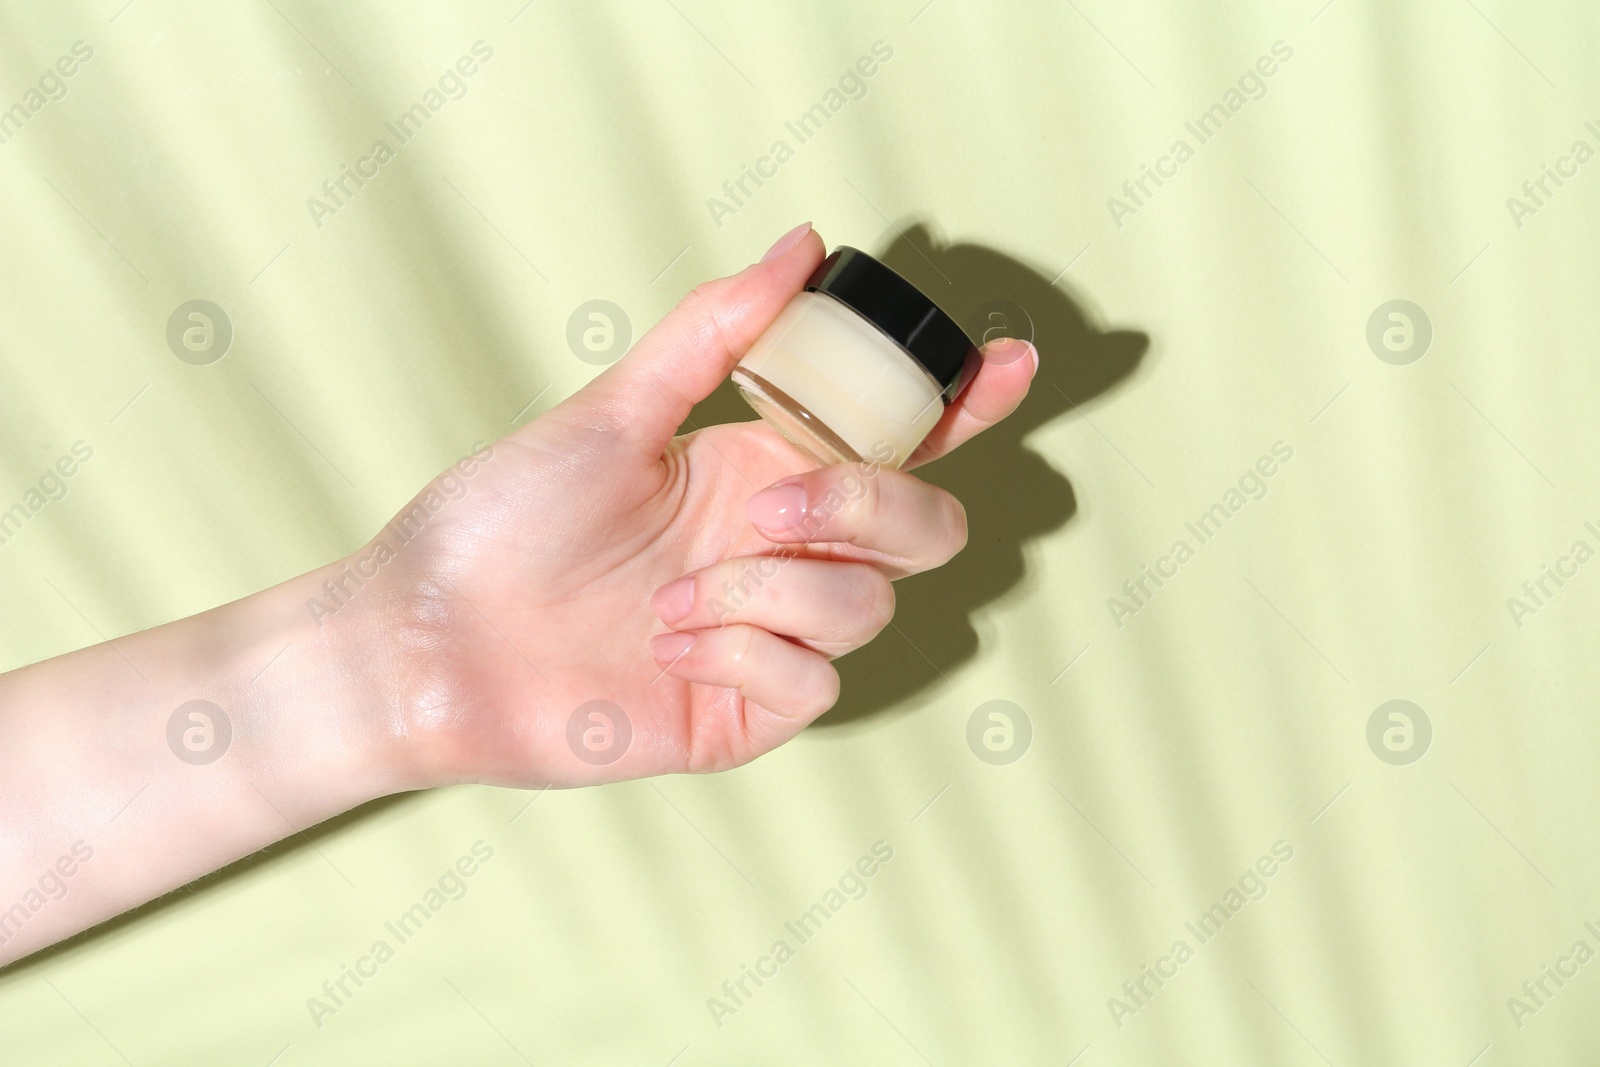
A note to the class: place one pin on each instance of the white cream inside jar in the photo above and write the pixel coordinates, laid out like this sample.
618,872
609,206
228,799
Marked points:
858,367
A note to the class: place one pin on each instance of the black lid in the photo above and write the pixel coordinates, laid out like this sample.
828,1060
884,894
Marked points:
900,310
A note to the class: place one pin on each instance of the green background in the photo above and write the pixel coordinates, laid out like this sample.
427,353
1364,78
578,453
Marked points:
1167,754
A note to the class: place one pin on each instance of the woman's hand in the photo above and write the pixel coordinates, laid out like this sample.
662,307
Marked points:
588,599
680,596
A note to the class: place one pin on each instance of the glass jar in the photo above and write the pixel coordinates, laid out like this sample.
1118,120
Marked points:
859,366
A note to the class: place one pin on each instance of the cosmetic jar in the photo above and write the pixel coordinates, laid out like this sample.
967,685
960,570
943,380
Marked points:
859,366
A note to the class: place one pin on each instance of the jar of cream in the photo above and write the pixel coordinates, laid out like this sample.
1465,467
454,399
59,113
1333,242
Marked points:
859,366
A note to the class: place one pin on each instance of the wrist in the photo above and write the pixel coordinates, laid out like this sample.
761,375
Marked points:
188,746
309,678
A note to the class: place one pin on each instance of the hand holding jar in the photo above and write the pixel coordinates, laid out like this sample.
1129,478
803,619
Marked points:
598,598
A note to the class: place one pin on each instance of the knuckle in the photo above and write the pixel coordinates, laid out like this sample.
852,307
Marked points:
704,305
823,687
882,595
858,498
699,305
740,642
877,601
954,529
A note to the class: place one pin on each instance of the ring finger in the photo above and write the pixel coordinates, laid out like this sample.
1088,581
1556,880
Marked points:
832,607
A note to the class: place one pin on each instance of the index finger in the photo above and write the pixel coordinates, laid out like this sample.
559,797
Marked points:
993,393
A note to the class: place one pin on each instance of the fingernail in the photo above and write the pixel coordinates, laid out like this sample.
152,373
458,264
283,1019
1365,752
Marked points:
1008,350
673,600
668,648
787,241
778,510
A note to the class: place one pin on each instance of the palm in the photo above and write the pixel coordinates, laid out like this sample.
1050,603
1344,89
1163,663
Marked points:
523,607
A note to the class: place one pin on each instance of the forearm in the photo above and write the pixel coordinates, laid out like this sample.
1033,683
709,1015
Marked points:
104,804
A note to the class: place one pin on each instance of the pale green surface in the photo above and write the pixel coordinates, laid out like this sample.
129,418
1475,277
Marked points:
1173,753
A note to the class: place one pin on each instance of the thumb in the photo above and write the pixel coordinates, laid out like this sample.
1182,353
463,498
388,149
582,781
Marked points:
644,397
